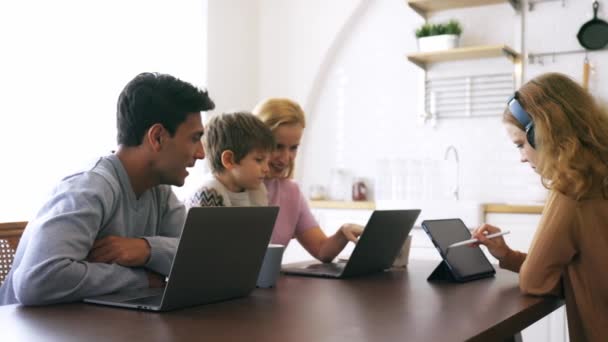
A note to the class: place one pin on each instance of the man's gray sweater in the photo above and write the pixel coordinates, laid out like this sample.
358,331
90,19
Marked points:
50,264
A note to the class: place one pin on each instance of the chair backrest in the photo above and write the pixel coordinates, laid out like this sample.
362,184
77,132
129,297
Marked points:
10,233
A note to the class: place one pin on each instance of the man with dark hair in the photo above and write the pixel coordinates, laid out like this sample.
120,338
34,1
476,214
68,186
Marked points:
116,225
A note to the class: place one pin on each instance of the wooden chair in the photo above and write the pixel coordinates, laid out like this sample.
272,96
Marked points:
10,234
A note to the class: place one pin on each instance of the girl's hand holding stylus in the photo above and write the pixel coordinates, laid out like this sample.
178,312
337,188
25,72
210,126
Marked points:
496,246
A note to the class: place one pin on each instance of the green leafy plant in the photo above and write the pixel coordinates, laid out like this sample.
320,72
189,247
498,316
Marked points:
427,30
453,27
437,29
423,31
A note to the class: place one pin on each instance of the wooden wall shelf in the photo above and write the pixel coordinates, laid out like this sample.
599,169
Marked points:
424,7
471,52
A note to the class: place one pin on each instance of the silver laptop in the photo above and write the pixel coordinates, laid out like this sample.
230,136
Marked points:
218,257
375,251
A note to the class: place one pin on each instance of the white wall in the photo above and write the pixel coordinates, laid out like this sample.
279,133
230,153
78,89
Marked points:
233,54
551,28
63,64
343,60
268,48
369,94
295,36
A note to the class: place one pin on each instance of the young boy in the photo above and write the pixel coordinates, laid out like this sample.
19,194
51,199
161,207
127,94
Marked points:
237,146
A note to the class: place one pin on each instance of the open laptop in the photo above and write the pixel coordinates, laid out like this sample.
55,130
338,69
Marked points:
375,251
219,256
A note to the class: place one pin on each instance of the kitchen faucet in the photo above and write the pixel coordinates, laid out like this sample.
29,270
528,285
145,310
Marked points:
456,190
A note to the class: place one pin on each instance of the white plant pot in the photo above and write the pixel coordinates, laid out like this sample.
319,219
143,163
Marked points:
438,43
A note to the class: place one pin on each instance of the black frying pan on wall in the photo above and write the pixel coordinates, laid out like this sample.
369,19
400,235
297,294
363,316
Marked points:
593,35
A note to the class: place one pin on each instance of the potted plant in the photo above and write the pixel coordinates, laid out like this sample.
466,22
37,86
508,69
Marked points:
442,36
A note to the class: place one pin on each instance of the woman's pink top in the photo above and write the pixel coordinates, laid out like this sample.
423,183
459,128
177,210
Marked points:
294,214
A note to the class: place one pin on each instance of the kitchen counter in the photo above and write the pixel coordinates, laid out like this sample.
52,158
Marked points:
487,208
327,204
505,208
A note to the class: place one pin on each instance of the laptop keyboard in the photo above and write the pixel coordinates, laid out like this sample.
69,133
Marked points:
152,300
331,267
138,293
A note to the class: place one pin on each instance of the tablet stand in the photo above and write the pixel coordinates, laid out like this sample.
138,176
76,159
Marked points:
442,273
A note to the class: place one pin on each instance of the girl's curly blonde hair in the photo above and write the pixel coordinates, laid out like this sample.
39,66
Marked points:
571,134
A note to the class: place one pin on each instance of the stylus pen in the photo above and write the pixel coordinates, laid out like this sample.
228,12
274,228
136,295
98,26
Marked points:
468,242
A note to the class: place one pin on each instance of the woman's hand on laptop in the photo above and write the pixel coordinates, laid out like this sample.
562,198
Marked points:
351,231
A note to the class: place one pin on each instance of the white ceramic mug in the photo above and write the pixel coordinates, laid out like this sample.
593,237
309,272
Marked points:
271,266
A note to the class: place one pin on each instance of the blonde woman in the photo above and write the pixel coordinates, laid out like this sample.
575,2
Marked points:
563,134
286,120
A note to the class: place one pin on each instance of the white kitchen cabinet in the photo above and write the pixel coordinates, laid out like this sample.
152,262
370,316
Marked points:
553,328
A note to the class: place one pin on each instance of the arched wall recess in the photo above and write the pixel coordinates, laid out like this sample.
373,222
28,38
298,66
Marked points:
322,73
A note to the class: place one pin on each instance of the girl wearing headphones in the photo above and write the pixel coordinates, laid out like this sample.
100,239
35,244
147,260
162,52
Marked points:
563,134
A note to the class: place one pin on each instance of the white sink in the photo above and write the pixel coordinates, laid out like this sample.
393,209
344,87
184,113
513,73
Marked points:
470,212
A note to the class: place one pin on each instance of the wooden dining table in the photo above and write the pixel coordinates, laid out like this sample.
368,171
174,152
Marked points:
396,305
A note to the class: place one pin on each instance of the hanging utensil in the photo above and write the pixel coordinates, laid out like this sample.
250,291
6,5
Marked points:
593,35
586,68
